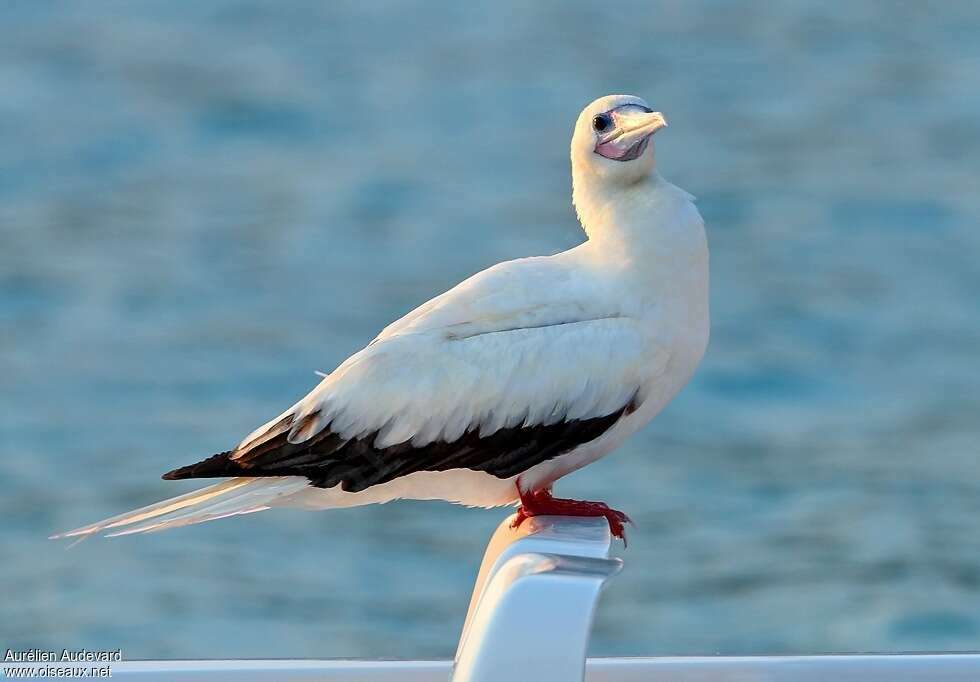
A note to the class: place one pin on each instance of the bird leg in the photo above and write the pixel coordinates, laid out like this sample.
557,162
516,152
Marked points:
541,503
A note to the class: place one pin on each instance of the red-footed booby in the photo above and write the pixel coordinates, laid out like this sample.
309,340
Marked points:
489,393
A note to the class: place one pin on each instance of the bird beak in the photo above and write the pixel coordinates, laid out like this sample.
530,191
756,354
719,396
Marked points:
633,128
634,125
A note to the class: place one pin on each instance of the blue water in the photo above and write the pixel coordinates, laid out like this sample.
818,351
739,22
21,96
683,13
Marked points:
202,203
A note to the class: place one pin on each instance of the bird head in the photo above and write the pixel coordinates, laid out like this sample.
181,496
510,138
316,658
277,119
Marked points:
612,139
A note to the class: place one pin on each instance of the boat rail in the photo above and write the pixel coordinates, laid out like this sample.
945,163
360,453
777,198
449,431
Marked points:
530,618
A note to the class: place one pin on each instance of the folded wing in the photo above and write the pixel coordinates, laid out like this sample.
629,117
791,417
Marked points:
485,377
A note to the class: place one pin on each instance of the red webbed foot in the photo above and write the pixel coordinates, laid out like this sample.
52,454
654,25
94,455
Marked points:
541,503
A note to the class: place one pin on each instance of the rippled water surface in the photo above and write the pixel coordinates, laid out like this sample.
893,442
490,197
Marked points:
202,203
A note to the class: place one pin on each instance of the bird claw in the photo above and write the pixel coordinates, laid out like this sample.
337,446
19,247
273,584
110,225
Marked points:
541,503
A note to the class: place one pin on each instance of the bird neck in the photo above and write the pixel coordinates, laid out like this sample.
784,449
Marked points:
651,237
631,222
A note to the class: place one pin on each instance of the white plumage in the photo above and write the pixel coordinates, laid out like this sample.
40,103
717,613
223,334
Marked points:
614,326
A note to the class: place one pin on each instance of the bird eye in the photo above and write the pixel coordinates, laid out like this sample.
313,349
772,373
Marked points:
601,123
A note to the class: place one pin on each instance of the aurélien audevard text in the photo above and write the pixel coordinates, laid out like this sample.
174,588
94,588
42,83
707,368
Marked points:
63,656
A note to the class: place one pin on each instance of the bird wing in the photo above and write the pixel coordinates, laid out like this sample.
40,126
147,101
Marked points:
516,365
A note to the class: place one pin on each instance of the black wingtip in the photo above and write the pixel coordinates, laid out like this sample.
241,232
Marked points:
216,466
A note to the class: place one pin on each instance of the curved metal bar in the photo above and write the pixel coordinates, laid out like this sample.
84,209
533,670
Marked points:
531,612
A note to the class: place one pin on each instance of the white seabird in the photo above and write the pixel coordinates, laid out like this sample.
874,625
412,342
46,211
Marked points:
489,393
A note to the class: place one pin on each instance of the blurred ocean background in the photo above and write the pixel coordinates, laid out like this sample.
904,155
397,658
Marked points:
202,203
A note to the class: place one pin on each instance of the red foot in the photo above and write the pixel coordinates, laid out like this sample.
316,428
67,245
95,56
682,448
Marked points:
541,503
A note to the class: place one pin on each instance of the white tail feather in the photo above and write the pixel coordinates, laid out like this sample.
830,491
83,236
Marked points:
183,520
228,498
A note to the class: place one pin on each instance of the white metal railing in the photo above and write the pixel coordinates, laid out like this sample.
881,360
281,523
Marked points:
529,619
857,668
